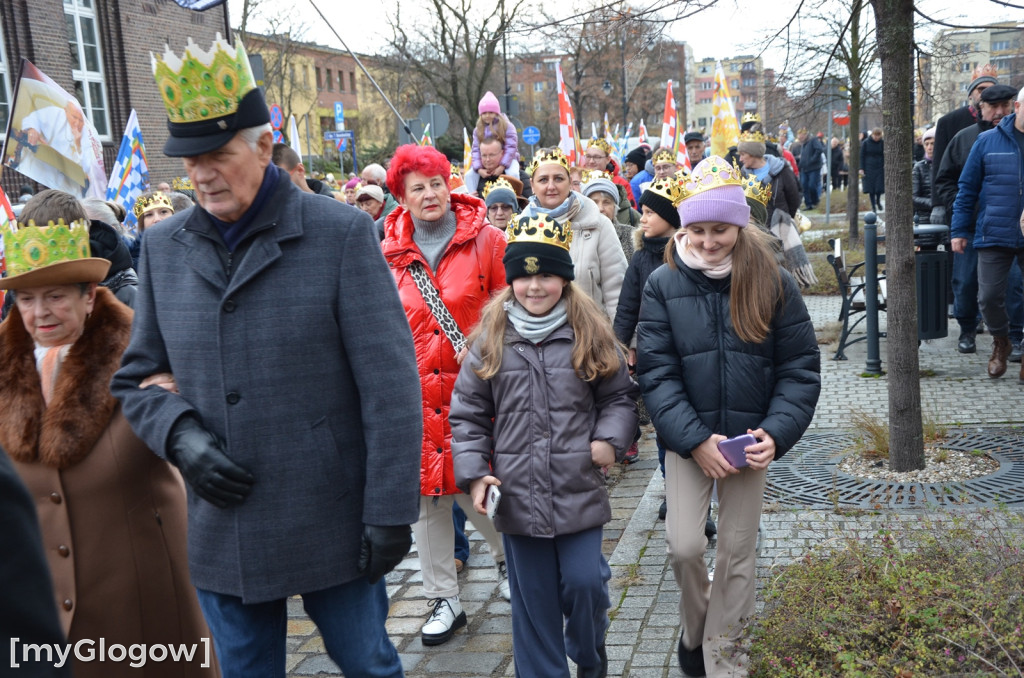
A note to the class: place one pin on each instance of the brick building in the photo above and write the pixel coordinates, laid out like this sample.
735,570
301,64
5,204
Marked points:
99,50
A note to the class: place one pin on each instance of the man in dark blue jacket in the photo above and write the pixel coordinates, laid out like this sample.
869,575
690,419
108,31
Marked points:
812,155
993,183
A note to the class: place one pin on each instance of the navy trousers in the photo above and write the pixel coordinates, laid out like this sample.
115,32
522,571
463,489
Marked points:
557,583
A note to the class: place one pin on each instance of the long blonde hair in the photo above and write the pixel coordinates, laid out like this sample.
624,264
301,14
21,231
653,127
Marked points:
498,128
596,352
756,283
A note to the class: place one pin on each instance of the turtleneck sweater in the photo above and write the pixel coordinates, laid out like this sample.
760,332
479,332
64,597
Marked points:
432,237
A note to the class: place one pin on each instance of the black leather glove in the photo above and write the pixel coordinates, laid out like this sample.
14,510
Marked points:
200,457
382,549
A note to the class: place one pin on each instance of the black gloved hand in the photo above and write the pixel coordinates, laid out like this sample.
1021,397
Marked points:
200,458
382,549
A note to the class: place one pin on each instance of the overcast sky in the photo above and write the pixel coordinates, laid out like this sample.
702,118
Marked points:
731,28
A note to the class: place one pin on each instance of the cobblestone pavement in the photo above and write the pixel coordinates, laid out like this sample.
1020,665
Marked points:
644,630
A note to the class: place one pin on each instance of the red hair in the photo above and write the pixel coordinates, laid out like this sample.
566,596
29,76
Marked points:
410,158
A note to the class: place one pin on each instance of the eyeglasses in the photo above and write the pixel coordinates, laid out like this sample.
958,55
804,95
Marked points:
590,156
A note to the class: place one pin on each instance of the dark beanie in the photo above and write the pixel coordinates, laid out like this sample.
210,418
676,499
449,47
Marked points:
537,245
660,197
637,157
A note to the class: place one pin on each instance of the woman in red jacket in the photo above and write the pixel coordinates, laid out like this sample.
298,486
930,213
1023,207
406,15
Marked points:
447,262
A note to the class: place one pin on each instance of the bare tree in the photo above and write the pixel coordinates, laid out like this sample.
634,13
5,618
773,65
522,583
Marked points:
895,24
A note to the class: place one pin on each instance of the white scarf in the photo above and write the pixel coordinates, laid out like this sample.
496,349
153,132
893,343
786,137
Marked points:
691,257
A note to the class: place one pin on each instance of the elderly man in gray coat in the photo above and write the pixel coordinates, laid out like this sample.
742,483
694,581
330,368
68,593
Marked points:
294,410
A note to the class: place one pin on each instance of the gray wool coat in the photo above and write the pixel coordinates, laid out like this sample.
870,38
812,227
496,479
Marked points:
301,360
539,418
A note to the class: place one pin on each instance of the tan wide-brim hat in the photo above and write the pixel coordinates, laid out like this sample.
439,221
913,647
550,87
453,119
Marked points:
71,272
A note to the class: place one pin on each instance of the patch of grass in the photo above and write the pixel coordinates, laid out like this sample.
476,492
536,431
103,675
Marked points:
936,598
941,456
927,373
872,438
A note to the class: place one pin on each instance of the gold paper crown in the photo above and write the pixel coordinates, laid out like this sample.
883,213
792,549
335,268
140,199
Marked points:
500,182
30,247
554,156
664,155
602,144
682,173
752,136
540,229
591,175
456,170
985,70
669,188
181,184
716,174
203,85
750,117
154,201
761,192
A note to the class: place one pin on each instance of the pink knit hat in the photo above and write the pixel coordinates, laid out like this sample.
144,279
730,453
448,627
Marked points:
489,104
714,192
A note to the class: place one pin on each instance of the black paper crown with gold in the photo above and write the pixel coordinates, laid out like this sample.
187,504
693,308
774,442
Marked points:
538,244
55,254
549,156
209,96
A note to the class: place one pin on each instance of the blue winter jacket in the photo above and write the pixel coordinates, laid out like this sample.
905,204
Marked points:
992,181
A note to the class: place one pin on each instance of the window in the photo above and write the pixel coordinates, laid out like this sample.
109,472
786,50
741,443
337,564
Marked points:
707,85
734,83
704,69
1000,45
87,63
732,68
538,67
518,68
538,106
341,81
702,122
750,82
538,86
748,66
305,75
330,81
551,65
520,87
5,94
352,82
319,79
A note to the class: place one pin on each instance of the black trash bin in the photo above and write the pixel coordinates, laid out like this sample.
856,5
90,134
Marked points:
932,273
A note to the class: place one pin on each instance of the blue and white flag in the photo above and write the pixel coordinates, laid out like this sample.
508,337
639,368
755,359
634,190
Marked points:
199,5
130,176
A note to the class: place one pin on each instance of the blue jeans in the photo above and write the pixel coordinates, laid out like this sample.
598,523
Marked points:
461,540
559,601
250,638
965,294
811,183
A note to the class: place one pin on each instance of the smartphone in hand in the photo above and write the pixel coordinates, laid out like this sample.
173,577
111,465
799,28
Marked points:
732,449
491,500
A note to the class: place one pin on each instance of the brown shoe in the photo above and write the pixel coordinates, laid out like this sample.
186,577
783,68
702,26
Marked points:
1000,352
459,565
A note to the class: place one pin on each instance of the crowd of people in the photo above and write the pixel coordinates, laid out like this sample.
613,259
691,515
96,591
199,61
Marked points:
280,382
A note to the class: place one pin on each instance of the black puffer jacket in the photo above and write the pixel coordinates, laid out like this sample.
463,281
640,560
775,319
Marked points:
922,184
649,255
698,378
105,242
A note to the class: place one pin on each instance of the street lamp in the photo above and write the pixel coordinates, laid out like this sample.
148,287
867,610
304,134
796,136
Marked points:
607,87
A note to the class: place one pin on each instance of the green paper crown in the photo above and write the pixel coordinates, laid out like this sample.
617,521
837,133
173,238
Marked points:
30,247
203,85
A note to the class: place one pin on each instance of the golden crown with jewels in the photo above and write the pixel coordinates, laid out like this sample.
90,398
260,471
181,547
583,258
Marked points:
664,155
201,85
759,191
552,156
602,144
714,173
752,136
154,201
670,188
541,229
500,182
751,117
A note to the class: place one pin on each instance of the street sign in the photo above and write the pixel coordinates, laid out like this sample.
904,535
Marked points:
337,136
436,117
339,115
531,135
278,137
276,116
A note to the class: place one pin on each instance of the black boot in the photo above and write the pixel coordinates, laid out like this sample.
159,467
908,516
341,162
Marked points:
691,661
966,343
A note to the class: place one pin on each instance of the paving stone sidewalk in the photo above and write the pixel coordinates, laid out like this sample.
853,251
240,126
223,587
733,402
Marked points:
644,630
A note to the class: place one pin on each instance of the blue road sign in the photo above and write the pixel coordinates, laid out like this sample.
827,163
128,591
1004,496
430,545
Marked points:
531,135
276,116
336,136
339,115
278,137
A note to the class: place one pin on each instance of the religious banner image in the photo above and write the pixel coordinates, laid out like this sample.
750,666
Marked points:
50,139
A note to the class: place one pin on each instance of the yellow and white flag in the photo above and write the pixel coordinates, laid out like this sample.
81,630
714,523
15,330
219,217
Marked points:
725,132
467,152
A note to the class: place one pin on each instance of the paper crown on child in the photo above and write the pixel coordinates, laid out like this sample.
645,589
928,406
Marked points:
751,117
553,156
602,144
538,244
154,201
714,193
664,155
55,254
209,96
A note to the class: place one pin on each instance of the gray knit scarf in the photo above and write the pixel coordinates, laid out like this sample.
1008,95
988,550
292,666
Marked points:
535,328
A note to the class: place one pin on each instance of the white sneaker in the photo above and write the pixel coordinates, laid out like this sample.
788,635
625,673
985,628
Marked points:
445,619
503,587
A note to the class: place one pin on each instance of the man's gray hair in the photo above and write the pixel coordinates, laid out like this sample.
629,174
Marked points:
100,211
377,172
251,135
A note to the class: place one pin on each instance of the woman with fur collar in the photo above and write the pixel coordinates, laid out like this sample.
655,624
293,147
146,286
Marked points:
112,513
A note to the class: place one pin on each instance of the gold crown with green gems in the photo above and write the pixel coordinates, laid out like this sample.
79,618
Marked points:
540,229
203,85
30,247
554,156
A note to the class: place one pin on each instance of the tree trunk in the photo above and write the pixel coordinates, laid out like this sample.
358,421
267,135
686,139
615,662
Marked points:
895,21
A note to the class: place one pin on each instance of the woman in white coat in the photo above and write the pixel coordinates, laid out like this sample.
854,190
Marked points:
598,260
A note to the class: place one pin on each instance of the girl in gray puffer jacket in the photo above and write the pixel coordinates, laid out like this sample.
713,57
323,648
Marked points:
542,404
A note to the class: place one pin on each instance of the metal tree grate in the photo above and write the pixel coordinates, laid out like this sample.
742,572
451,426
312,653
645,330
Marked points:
809,475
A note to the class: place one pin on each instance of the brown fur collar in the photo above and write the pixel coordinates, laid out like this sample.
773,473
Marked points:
64,433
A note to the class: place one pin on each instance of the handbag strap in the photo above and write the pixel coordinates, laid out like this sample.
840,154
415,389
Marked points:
437,307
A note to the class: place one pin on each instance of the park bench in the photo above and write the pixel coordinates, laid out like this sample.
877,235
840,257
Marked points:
852,288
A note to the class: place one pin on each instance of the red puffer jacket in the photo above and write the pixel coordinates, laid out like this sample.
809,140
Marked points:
469,272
